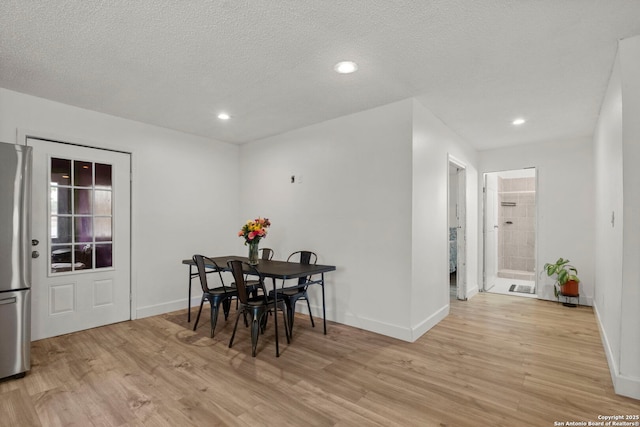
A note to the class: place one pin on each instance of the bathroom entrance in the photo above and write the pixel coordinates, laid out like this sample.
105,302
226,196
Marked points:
510,223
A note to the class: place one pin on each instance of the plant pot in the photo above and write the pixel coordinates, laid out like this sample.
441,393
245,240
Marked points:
570,289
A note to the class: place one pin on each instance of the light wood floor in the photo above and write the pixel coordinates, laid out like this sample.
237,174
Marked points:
494,361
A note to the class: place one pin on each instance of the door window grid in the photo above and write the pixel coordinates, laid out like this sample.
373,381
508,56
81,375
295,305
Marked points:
81,215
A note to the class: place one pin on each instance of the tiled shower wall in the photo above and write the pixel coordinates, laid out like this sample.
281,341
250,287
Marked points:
516,232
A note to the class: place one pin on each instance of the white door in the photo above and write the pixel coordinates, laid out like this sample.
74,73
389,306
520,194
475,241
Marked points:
81,218
491,231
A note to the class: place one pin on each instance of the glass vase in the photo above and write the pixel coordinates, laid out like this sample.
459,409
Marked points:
253,253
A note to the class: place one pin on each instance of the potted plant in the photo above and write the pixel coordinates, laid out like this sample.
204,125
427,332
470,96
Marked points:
566,278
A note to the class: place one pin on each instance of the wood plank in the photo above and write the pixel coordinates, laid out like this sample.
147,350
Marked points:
17,409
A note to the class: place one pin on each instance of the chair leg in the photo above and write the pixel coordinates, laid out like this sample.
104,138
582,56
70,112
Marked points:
233,335
313,325
290,311
226,306
246,322
195,325
287,328
255,331
263,322
214,316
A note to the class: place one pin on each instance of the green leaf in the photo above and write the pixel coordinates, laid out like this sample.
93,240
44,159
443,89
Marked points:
563,276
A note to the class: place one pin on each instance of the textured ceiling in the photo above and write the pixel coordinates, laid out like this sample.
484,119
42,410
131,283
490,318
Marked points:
477,64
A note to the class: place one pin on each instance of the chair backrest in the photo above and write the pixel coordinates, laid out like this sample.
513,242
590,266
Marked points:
202,271
304,257
239,269
266,253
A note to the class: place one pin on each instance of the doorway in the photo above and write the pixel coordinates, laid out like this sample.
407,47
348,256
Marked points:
81,231
510,223
457,229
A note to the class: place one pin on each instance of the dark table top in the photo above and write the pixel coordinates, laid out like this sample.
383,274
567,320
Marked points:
272,268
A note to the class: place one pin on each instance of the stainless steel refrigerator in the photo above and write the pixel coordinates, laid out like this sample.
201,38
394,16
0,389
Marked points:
15,260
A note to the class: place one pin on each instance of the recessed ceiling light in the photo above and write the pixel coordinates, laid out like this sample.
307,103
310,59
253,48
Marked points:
224,116
518,121
345,67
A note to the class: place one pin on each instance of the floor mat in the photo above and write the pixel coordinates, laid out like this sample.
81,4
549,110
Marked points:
523,289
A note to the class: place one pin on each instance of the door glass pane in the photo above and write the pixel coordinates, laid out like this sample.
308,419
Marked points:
103,202
84,229
60,259
60,229
84,257
60,200
82,202
61,171
103,256
83,174
103,229
103,175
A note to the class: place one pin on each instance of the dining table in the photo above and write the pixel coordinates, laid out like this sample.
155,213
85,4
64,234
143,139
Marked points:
273,269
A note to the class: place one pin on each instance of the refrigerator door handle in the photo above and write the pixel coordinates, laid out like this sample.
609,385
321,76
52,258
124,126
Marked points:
8,301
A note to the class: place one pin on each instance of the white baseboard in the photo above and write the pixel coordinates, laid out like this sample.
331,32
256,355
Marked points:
428,323
387,329
371,325
622,384
167,307
586,300
473,291
627,386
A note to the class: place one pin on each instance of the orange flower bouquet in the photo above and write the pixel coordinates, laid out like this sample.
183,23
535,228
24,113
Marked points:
253,232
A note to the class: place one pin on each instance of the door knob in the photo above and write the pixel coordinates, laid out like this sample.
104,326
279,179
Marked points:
35,254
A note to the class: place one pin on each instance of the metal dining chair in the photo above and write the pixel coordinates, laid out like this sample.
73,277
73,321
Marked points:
266,253
216,296
257,306
292,294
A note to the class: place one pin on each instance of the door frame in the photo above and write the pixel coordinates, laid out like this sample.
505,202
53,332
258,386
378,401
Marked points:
536,174
461,216
484,233
23,134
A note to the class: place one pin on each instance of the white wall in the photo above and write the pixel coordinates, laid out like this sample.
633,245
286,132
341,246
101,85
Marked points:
618,245
565,202
184,191
433,142
609,201
353,208
373,201
630,327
